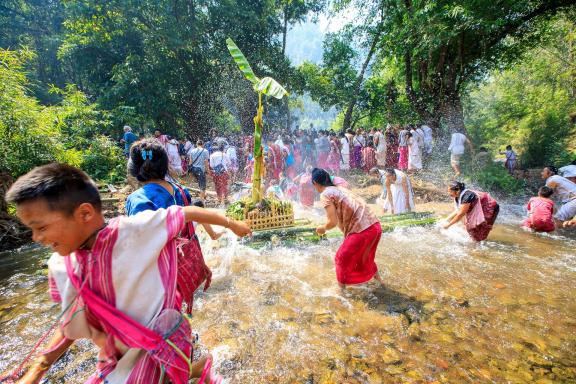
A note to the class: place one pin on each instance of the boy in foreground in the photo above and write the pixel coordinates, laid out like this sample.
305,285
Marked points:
116,281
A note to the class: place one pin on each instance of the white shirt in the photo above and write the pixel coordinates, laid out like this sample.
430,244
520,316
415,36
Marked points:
345,146
457,143
231,153
565,189
427,134
218,158
381,142
568,171
135,274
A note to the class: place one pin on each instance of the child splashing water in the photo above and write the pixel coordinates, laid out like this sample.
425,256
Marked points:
116,282
362,231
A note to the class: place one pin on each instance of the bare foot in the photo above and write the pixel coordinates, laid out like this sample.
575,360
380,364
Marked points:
378,278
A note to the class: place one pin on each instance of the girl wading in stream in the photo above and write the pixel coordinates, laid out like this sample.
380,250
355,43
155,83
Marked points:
478,209
355,257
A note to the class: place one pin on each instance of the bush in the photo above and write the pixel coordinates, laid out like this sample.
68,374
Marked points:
495,178
104,161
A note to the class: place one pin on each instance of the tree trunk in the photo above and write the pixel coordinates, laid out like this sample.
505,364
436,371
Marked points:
357,85
285,30
288,117
452,114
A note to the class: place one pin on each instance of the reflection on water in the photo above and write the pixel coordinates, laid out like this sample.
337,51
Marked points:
452,311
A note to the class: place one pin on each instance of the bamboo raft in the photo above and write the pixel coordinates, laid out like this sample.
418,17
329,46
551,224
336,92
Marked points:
305,231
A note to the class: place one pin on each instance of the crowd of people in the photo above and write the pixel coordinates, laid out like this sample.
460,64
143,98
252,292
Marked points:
289,157
128,283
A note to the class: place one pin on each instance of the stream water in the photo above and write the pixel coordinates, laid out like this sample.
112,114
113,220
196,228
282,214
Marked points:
452,311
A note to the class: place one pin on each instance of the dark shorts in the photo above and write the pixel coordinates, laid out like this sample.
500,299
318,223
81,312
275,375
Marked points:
200,176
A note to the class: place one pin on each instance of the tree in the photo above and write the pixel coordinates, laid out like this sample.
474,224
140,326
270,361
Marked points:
442,46
337,81
528,105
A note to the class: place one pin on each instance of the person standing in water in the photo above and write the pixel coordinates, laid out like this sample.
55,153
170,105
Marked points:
540,211
564,191
478,208
397,190
362,231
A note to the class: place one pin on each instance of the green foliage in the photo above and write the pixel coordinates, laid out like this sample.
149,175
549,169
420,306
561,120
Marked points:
495,178
27,136
32,135
528,106
104,160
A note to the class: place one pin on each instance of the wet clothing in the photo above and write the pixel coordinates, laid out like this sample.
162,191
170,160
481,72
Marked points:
380,148
306,190
457,142
481,215
391,149
540,215
354,259
131,269
345,151
403,158
153,196
565,192
353,214
414,154
428,139
397,193
368,159
362,231
334,157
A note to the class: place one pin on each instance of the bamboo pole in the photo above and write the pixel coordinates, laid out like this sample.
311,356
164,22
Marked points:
257,152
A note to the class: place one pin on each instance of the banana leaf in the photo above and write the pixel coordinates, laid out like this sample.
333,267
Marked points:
242,62
405,216
271,87
308,232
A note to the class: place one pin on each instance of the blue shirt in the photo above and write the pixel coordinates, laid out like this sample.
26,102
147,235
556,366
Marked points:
152,197
129,138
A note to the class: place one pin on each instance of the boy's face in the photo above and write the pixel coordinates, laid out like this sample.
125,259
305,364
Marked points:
55,229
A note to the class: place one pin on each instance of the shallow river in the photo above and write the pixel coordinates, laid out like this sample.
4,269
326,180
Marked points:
451,312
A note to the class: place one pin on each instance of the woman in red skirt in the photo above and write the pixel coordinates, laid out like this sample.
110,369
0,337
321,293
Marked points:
355,257
478,208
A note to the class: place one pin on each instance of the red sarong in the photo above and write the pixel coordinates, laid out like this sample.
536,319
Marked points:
355,257
403,160
490,209
221,185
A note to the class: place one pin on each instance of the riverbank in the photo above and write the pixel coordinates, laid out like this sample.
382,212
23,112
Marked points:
429,194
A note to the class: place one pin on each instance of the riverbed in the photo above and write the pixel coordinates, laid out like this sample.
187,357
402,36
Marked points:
452,311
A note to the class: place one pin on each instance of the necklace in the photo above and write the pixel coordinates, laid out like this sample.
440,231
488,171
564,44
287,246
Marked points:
84,246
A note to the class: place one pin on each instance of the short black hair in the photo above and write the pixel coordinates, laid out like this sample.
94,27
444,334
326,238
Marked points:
545,191
63,187
154,167
509,147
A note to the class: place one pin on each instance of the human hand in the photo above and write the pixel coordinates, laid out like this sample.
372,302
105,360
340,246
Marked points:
321,230
240,228
446,225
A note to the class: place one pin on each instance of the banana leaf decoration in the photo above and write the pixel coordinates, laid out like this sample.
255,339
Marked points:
265,86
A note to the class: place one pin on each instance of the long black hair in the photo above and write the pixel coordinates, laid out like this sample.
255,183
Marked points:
148,160
321,177
457,186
